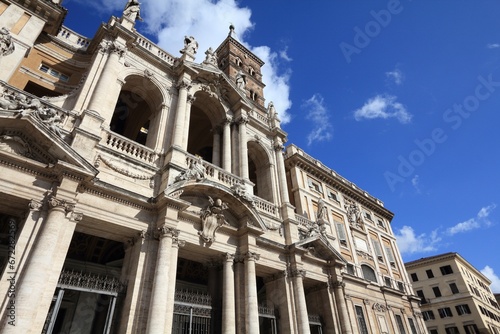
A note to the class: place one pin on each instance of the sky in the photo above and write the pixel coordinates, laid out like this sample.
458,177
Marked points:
400,97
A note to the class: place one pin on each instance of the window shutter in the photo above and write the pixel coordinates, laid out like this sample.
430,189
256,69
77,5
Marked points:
390,256
378,249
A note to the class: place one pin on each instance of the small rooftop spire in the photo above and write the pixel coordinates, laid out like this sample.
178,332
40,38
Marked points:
231,30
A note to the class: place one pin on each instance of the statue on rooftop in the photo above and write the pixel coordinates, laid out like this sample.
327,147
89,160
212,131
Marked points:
133,10
211,57
190,45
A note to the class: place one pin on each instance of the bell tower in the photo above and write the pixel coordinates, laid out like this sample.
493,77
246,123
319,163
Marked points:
243,67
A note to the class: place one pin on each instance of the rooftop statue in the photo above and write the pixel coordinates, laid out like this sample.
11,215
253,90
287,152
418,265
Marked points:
133,10
190,45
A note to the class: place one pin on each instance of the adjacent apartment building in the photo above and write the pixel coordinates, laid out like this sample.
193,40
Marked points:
147,192
455,296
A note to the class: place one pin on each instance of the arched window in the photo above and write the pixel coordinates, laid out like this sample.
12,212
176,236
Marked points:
368,273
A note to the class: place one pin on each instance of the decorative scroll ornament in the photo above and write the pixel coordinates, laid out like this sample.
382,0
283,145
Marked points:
212,219
379,307
6,43
54,202
196,171
240,191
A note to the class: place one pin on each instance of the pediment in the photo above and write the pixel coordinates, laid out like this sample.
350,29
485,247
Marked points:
217,83
320,247
29,140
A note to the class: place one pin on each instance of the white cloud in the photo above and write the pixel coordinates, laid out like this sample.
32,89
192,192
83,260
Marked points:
415,181
493,46
495,280
480,220
171,20
318,114
396,76
409,243
383,106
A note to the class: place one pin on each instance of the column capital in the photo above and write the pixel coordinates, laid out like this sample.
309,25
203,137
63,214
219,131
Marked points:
242,120
191,99
56,203
297,273
228,257
251,256
35,205
183,83
165,231
278,145
366,301
227,120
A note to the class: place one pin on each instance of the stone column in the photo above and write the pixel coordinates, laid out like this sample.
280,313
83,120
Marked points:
252,307
242,121
35,288
172,277
187,117
226,151
228,305
180,114
371,322
158,304
216,132
300,302
342,307
106,92
283,187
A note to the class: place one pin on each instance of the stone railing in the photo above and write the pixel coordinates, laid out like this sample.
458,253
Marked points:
303,222
70,37
265,206
129,148
146,44
214,172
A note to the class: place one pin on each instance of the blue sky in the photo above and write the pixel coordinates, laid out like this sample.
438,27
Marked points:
400,97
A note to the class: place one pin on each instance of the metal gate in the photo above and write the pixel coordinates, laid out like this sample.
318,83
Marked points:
192,313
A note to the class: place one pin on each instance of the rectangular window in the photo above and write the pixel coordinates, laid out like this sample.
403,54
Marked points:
390,256
361,320
452,330
314,185
463,309
428,315
350,269
420,293
412,326
368,216
437,292
332,195
414,277
429,273
378,250
433,331
445,312
380,223
387,281
361,244
454,288
471,329
401,287
399,321
446,270
341,233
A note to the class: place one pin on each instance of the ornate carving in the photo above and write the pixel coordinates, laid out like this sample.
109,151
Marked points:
183,84
211,57
54,202
243,119
133,10
297,273
379,307
278,144
166,231
190,45
196,171
148,73
251,256
6,43
191,99
228,257
16,145
111,164
353,214
35,205
76,216
240,191
212,218
90,281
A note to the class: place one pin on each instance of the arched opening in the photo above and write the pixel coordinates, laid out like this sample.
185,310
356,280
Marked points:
369,273
135,110
206,113
259,171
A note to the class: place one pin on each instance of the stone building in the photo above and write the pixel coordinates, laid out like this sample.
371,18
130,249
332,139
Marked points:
455,296
143,192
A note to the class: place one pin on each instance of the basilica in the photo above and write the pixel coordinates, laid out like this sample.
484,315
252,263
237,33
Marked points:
143,191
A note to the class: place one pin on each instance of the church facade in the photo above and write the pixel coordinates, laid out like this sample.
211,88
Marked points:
142,192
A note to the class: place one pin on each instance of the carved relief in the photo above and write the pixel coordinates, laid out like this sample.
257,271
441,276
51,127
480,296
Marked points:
212,218
353,214
6,43
379,307
196,171
15,145
240,191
